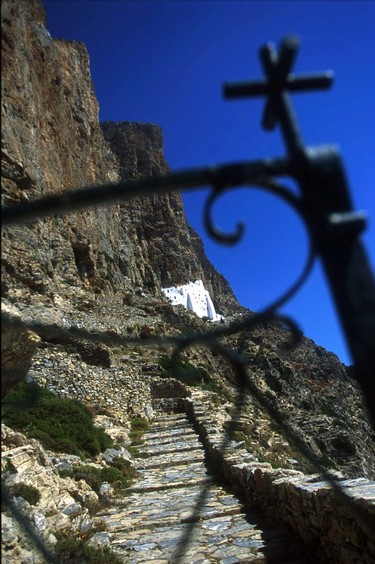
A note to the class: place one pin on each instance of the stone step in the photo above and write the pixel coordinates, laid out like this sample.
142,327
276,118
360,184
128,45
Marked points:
166,439
171,433
138,519
225,539
180,465
154,480
152,487
167,449
175,512
181,499
170,417
187,457
170,421
181,425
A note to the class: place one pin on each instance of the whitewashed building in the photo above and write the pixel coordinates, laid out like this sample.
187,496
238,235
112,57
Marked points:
195,297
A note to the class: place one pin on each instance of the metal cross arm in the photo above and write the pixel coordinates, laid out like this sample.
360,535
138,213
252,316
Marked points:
293,83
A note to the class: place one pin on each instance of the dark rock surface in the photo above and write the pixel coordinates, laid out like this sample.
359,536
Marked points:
160,248
52,142
18,345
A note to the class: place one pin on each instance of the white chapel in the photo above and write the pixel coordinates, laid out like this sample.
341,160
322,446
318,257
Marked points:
195,297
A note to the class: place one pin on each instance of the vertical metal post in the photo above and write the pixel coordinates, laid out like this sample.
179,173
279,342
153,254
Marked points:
334,226
336,230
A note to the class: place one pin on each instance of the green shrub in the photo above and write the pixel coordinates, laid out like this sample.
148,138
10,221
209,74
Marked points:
64,444
69,549
125,472
104,440
112,476
138,426
123,465
59,423
42,437
90,474
119,474
77,551
30,493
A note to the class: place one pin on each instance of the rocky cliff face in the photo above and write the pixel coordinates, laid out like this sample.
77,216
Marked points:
52,142
160,248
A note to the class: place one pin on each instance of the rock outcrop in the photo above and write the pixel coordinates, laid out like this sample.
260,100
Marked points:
173,490
63,505
161,248
18,345
52,142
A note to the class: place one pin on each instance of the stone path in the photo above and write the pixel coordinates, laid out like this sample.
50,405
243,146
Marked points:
175,513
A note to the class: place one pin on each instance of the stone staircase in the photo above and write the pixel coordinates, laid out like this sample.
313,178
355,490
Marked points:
176,513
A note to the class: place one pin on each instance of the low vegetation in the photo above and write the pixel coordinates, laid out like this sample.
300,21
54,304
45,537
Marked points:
188,374
78,551
120,474
29,493
62,425
279,454
138,426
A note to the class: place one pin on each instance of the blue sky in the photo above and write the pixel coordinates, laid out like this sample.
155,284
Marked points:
164,62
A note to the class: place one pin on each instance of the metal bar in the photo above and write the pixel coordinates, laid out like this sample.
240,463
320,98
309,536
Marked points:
269,59
335,229
304,82
289,126
301,83
226,175
278,106
245,89
352,286
288,52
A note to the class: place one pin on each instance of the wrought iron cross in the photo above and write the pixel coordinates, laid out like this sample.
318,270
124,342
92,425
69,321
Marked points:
325,202
279,82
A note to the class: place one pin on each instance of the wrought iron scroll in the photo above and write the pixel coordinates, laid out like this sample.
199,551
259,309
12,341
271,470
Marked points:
324,204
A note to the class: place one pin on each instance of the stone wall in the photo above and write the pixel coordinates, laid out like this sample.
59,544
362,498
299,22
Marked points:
120,389
303,502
